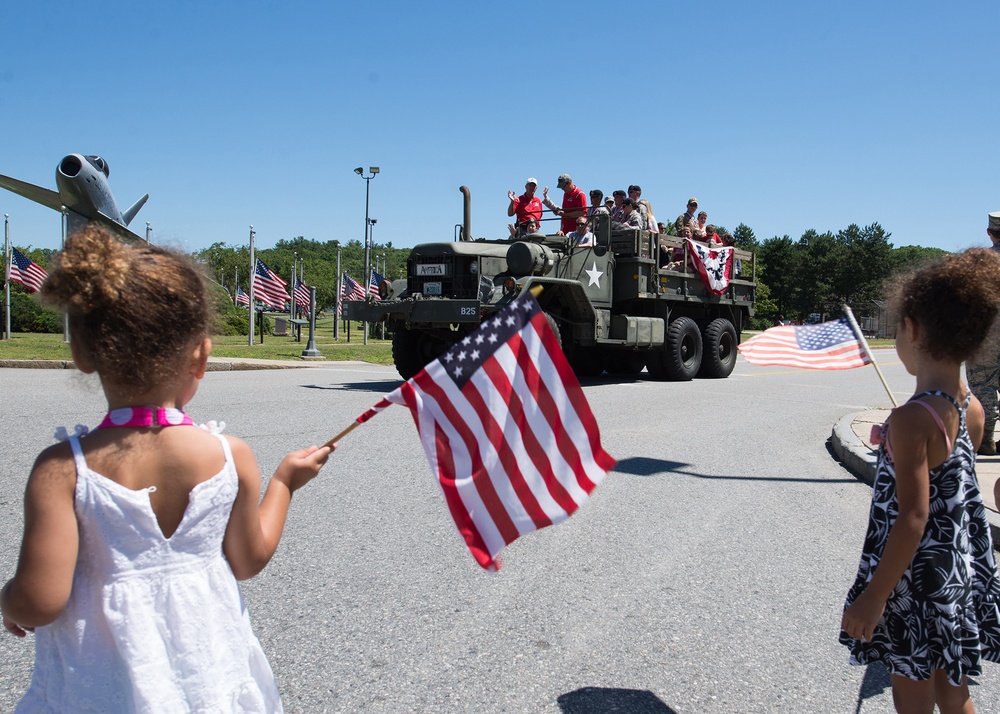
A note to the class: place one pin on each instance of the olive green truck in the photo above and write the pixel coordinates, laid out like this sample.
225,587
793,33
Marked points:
613,307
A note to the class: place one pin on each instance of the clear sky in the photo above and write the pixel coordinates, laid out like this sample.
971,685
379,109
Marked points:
785,116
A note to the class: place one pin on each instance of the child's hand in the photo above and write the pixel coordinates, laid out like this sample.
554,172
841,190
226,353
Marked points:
15,629
862,616
300,467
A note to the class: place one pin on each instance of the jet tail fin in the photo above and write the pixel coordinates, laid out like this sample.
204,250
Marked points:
128,215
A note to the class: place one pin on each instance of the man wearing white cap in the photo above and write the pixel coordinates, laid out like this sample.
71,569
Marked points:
984,372
525,206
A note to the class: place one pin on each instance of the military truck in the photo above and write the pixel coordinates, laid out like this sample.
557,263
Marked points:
612,306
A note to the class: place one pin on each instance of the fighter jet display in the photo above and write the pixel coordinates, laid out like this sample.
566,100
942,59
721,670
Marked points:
83,193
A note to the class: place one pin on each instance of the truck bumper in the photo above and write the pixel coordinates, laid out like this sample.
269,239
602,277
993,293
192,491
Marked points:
425,310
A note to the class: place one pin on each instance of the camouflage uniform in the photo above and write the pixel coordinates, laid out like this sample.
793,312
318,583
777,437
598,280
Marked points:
984,380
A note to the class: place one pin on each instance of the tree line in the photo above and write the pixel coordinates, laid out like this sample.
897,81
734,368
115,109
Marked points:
795,277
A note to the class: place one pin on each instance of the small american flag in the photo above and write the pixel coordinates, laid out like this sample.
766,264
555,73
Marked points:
373,284
302,295
242,298
268,287
26,271
349,290
506,429
828,345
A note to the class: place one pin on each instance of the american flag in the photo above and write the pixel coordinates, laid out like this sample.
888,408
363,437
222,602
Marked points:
268,287
373,284
302,295
242,298
26,271
828,345
349,290
506,429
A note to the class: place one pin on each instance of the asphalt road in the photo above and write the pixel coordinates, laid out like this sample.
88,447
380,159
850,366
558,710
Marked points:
707,573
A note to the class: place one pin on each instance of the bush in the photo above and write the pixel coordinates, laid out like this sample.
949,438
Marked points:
28,315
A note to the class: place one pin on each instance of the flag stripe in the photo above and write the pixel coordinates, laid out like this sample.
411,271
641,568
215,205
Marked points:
462,425
544,484
481,533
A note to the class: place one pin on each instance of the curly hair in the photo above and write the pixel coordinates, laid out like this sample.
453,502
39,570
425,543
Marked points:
134,310
955,301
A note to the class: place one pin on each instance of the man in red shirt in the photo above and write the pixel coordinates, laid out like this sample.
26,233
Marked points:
526,205
574,203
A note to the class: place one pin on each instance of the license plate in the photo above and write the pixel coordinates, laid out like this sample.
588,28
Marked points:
432,288
430,269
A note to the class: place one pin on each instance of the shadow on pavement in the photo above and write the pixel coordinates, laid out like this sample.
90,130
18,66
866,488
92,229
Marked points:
601,700
383,387
876,681
645,466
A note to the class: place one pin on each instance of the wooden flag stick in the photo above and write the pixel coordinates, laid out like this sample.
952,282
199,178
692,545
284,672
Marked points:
864,343
342,434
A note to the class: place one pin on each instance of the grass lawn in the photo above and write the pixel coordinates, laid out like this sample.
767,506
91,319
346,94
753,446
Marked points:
24,345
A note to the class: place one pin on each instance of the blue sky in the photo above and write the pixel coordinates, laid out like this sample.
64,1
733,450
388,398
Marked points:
785,116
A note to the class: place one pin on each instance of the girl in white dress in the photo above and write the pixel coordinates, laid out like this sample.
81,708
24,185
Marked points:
136,533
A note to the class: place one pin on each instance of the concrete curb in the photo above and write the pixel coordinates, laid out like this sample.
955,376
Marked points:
857,458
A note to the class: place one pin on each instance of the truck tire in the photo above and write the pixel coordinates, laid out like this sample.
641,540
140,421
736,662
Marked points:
680,358
719,355
412,350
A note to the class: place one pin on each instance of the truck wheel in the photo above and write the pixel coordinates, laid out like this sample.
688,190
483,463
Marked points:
681,357
719,358
412,350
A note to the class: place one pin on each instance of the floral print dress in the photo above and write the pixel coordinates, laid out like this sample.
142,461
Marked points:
943,613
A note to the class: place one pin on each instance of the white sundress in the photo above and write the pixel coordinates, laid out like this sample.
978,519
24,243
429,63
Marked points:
153,624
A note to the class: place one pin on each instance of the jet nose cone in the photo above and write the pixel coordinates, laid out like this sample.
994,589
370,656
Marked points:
70,166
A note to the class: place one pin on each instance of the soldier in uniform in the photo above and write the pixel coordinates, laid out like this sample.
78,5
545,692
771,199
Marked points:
984,371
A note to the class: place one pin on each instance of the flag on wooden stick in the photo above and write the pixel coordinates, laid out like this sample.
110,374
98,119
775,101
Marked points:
506,429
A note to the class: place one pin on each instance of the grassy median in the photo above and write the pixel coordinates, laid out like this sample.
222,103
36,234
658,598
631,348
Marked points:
34,346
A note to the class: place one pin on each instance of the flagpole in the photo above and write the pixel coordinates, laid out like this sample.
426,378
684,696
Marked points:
252,273
864,343
6,274
336,305
65,232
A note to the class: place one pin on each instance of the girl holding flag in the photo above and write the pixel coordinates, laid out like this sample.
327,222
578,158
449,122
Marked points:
926,600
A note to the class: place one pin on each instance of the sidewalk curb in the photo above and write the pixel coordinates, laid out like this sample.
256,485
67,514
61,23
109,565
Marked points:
861,461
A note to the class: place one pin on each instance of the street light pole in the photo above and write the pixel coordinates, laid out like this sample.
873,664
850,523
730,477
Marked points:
367,276
148,231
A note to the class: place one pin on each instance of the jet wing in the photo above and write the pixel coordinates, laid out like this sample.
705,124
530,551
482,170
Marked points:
32,192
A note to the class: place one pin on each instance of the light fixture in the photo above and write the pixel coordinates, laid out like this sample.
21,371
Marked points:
374,169
359,171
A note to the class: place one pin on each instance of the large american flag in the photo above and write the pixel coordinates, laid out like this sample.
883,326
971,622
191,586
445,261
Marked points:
373,283
302,295
26,271
828,345
268,286
242,298
506,429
